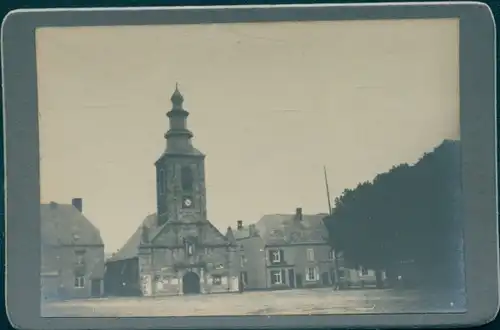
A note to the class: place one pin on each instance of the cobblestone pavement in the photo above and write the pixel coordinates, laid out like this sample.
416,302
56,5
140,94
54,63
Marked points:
316,301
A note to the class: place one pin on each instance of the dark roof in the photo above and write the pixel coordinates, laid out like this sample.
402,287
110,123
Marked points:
63,224
131,248
277,229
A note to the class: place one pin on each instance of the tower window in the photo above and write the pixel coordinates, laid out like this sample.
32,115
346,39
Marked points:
187,178
161,182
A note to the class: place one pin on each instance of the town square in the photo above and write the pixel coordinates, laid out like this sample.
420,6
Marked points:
285,302
232,200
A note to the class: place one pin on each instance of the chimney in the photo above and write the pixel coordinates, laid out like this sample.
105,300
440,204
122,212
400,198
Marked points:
298,214
78,204
239,224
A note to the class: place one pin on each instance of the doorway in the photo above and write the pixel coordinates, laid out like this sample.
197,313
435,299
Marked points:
325,277
298,280
291,277
191,283
95,288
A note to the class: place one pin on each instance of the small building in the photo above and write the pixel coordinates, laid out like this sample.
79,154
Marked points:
252,254
122,268
177,250
360,277
72,253
296,251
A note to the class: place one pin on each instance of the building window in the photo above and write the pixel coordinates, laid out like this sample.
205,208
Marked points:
242,261
219,266
80,257
331,254
190,249
161,182
216,280
311,274
276,256
187,178
79,282
276,277
363,271
310,254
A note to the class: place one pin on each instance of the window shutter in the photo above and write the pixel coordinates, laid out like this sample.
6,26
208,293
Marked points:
271,260
283,276
282,256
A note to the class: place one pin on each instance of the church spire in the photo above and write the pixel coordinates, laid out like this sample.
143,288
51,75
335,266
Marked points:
178,136
177,98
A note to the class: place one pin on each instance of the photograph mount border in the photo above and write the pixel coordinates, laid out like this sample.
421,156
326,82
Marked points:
478,141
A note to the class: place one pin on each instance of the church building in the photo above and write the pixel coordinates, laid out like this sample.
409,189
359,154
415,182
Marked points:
178,250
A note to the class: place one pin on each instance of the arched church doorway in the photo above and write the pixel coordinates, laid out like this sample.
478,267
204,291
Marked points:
191,283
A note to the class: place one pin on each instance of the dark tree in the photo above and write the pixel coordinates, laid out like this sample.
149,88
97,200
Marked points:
406,222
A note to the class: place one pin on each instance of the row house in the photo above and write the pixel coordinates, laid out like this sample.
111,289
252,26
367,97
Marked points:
72,253
296,251
252,256
285,251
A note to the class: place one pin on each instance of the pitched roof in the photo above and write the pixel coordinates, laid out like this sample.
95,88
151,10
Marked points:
63,224
285,229
131,247
245,232
242,232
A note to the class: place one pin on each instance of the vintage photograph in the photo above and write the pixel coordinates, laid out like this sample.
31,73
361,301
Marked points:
250,169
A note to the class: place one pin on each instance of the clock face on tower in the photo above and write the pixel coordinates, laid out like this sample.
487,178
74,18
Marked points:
187,202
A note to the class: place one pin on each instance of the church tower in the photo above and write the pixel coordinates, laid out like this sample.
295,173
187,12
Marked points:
180,171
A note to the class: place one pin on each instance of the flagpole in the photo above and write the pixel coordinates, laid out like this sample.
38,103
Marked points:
327,192
335,263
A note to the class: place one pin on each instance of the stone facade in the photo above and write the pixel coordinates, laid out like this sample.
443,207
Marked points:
299,266
72,253
252,256
184,253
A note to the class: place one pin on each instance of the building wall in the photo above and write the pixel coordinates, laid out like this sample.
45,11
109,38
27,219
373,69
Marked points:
122,278
162,269
169,200
62,260
294,261
254,262
357,278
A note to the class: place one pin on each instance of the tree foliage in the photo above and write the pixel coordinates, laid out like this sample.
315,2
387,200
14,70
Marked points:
409,215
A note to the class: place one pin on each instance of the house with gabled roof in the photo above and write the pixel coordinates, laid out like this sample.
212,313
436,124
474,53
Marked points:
298,255
72,253
177,250
252,257
296,251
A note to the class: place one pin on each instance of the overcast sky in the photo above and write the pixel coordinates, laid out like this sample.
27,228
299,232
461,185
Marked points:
270,105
